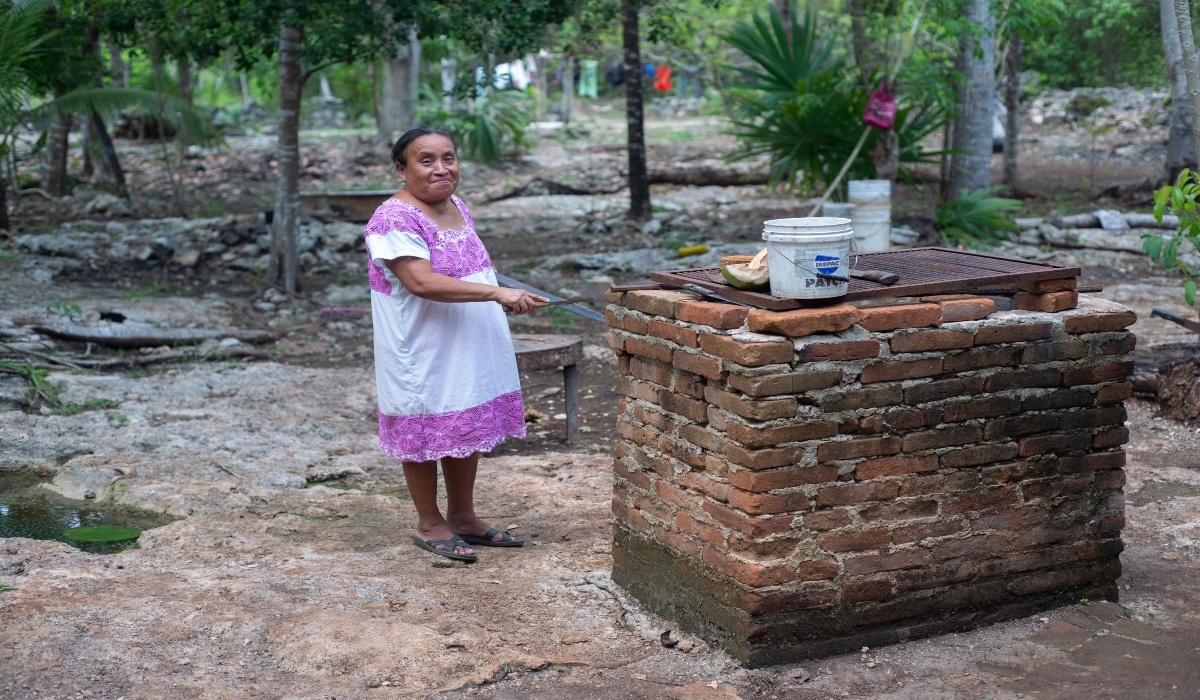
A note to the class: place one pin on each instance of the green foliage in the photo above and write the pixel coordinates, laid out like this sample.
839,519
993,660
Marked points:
1180,200
803,106
71,409
5,587
118,420
67,309
102,533
154,289
496,127
977,219
49,392
1099,43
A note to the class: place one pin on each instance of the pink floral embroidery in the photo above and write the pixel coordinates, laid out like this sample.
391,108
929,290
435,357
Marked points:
455,253
424,438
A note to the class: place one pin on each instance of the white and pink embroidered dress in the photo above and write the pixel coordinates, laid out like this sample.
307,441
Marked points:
446,373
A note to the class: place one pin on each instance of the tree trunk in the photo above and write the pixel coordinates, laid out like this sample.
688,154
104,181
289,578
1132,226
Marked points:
54,162
639,185
568,83
109,154
287,198
1012,103
247,100
785,13
858,38
183,66
1191,69
971,169
117,70
5,225
401,88
1181,149
85,143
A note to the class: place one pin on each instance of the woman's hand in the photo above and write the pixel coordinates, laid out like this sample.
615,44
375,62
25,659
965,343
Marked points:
519,301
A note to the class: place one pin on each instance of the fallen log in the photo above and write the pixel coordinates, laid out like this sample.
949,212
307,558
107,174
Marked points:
1148,363
1178,389
121,335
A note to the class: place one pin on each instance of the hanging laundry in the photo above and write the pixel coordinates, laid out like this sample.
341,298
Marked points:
588,77
649,70
480,79
531,67
662,79
517,74
502,77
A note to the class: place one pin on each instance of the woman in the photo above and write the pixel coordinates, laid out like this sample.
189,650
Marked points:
444,362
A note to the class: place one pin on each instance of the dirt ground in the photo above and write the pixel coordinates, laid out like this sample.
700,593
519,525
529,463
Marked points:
273,584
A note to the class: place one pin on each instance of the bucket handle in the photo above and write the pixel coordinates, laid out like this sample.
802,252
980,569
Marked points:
854,247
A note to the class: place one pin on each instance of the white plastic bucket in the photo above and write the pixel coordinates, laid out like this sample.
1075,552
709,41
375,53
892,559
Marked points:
802,251
873,230
839,210
870,194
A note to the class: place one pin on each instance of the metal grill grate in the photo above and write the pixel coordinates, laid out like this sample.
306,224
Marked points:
922,271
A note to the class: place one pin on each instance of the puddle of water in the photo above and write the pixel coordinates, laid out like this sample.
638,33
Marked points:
26,510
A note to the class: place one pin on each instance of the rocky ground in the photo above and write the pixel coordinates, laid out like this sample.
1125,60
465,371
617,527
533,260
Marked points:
290,573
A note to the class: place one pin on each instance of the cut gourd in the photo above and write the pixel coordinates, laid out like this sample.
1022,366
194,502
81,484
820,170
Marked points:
742,276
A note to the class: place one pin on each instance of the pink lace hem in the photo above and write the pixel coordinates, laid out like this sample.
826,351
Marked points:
429,437
455,253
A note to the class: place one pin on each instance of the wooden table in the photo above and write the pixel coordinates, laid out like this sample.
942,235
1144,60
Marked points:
539,352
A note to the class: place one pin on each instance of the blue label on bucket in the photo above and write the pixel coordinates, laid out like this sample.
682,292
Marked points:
827,264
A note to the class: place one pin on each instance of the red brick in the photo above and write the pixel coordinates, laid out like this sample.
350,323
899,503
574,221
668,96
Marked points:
707,439
616,341
623,363
763,410
1062,398
704,313
654,351
874,563
630,517
802,322
1056,488
1114,393
995,497
874,397
1019,471
620,448
926,341
688,408
1009,518
651,372
817,570
1054,443
897,420
1062,284
639,479
989,407
651,417
1119,346
888,318
708,533
689,384
854,541
628,323
767,503
946,437
636,389
747,354
927,484
702,483
683,451
1048,303
916,533
981,357
1099,322
702,365
1093,462
962,307
763,459
765,437
1023,379
789,383
681,335
1112,524
823,520
839,352
898,369
977,455
761,550
1111,479
1094,375
1037,353
612,297
979,544
751,527
1020,425
861,447
677,542
863,591
856,493
892,512
1094,418
898,465
1012,333
942,389
656,302
782,478
749,573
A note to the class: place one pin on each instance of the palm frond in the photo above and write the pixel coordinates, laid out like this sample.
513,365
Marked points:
977,219
195,126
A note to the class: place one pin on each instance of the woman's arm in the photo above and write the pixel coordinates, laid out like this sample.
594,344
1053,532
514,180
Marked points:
418,277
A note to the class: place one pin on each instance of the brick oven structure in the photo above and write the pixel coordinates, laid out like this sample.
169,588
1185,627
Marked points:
795,484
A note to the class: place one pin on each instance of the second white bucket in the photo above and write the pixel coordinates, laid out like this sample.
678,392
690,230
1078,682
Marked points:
873,214
806,255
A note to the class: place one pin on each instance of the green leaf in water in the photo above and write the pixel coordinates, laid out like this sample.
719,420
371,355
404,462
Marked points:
102,533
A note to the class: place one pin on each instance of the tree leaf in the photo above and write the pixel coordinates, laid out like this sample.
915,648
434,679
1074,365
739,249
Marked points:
1189,292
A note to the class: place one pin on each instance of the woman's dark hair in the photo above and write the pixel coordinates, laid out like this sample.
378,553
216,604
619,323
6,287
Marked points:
400,150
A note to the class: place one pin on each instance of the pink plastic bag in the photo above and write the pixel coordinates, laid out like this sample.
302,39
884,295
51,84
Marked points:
881,109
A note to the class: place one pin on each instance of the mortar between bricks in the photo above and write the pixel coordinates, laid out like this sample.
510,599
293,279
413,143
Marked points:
789,499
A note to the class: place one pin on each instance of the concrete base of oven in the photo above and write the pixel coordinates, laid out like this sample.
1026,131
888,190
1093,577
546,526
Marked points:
796,623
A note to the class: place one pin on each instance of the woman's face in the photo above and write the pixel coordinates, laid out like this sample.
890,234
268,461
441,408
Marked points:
432,171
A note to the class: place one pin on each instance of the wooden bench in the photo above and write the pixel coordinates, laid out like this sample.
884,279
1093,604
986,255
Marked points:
541,352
